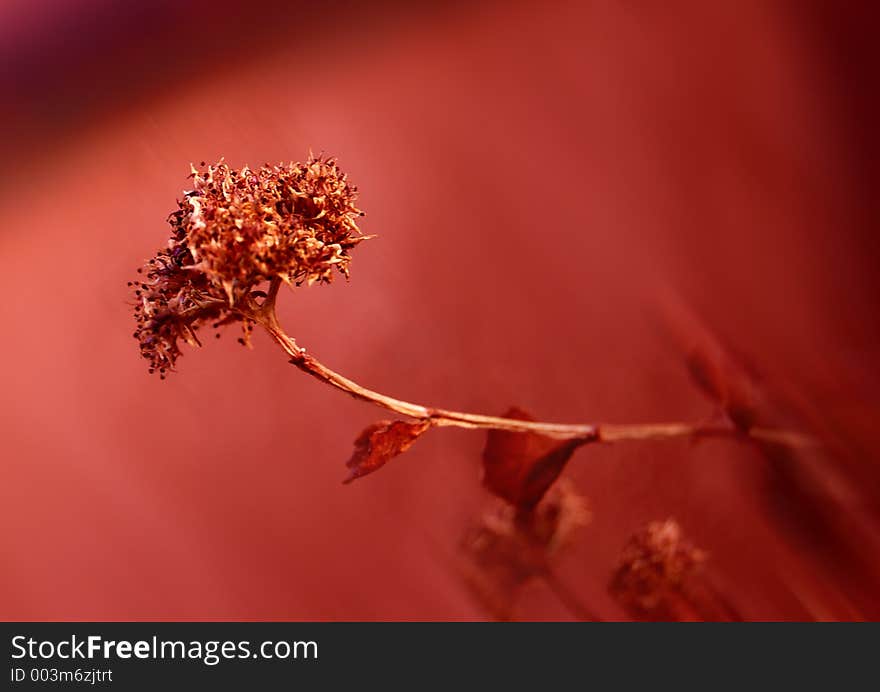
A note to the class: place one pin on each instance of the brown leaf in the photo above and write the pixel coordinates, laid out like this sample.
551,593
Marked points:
726,382
520,467
722,374
380,442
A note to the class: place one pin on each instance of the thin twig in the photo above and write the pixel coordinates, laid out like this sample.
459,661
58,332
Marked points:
264,314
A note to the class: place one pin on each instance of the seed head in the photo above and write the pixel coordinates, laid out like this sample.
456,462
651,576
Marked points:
656,560
232,233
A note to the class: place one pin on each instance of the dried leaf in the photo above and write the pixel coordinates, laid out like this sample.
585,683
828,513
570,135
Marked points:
381,442
520,467
727,383
723,375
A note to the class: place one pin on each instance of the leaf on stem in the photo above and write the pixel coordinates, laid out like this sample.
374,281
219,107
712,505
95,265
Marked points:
381,442
727,383
722,374
521,467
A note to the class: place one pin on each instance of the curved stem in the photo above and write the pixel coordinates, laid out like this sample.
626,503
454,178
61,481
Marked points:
271,296
315,368
266,317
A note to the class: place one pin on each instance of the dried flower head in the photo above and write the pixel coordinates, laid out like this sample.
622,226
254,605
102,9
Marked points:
232,233
509,546
656,561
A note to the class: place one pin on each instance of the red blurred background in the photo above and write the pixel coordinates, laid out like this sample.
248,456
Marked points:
546,179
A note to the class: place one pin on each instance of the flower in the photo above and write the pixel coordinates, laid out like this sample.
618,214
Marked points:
656,565
232,233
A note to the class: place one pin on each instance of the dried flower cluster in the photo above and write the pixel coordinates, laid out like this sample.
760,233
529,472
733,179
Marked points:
509,547
236,230
657,560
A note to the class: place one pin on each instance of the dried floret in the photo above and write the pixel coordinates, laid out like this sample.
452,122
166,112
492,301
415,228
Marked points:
657,559
232,233
508,546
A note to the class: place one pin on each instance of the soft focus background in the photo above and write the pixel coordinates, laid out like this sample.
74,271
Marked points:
570,199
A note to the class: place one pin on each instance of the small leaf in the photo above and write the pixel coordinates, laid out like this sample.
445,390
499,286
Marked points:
722,374
381,442
726,382
521,467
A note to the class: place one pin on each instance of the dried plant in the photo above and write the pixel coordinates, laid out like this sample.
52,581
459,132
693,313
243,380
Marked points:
235,231
661,577
508,547
240,234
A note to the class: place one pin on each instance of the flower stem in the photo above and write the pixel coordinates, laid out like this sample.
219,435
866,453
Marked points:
266,317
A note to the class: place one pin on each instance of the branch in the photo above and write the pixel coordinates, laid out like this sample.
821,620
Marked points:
265,316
